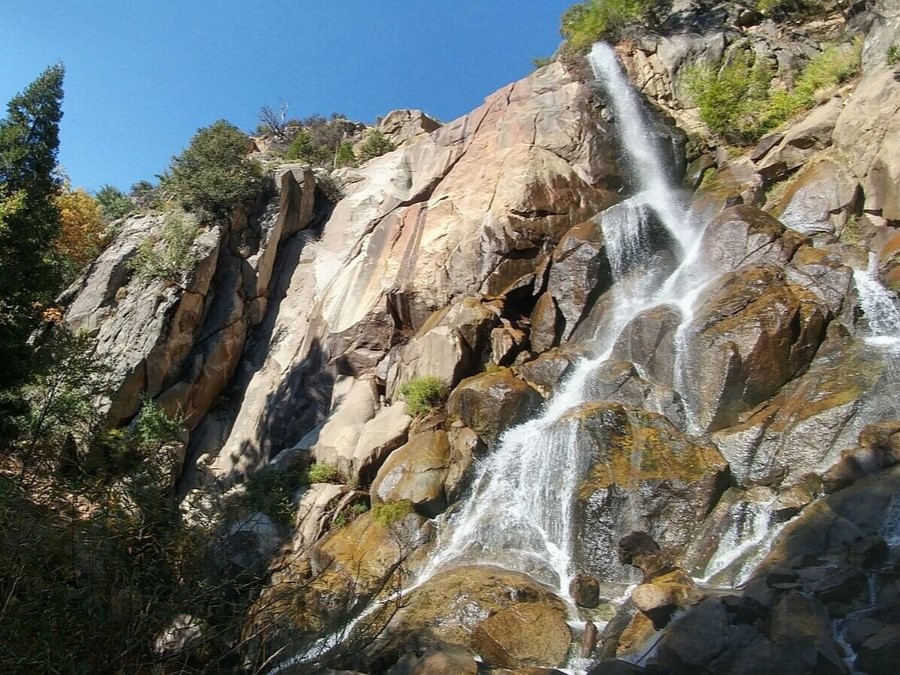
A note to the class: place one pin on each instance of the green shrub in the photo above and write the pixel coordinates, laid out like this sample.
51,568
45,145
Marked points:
375,145
358,508
154,428
323,473
893,54
270,491
168,256
303,149
345,155
388,513
214,174
424,394
733,100
591,20
114,204
737,102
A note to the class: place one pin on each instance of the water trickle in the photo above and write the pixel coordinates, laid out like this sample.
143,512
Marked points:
877,304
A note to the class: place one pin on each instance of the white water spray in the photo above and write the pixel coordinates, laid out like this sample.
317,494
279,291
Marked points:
878,306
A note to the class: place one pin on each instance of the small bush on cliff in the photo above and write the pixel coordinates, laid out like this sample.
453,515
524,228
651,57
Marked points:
587,22
167,256
388,513
323,473
893,54
738,104
375,145
154,428
214,174
424,394
114,204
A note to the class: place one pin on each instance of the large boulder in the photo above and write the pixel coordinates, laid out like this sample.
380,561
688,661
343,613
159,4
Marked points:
490,402
524,634
416,472
449,606
404,127
579,271
643,475
819,199
751,333
745,235
807,424
866,132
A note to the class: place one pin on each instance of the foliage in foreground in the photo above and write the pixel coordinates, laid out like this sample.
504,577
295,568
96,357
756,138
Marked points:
424,394
214,175
29,222
739,105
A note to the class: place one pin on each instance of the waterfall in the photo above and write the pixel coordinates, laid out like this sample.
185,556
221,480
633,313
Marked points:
519,511
881,314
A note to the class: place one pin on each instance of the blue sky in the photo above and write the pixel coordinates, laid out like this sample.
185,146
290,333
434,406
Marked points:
142,77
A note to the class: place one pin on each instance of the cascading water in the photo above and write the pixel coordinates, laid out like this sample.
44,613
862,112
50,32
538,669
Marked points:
881,314
519,512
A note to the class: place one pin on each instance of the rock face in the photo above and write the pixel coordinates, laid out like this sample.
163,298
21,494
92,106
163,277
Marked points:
644,475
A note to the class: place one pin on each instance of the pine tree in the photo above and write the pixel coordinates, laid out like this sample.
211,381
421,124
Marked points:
29,275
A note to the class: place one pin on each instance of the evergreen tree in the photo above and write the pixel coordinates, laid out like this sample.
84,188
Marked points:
29,276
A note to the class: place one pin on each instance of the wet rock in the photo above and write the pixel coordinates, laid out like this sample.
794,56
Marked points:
490,402
585,590
465,446
803,428
649,342
619,381
416,472
824,273
819,199
354,560
643,474
751,334
745,235
450,605
547,371
697,169
744,511
546,323
524,634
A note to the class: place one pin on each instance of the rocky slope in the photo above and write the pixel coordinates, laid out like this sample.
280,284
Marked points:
482,253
